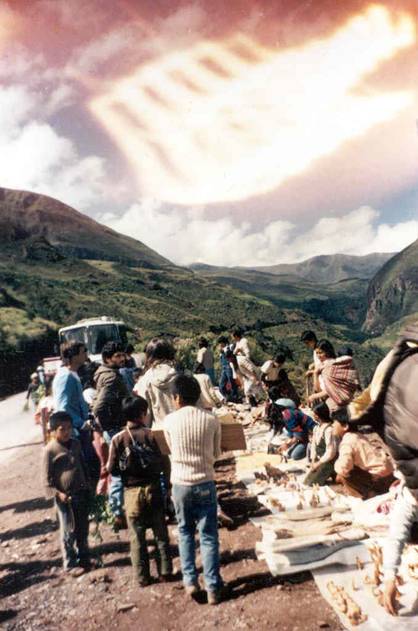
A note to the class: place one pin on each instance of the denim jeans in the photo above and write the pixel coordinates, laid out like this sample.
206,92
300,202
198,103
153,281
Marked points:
196,507
74,529
116,486
297,452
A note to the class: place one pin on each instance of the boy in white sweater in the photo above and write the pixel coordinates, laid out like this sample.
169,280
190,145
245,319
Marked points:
194,437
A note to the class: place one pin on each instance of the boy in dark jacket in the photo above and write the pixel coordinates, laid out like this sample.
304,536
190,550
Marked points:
66,480
135,456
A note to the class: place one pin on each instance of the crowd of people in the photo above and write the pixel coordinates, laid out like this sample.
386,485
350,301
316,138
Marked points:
103,422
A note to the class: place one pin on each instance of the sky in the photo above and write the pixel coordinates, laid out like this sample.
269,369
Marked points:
252,132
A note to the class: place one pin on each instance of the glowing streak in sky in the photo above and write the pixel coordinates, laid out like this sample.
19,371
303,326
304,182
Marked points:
226,121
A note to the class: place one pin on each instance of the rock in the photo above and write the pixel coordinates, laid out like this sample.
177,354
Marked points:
5,544
99,576
121,607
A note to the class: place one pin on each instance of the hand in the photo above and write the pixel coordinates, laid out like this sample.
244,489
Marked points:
62,497
314,466
389,597
308,373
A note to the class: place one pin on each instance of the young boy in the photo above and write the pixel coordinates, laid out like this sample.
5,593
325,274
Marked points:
135,456
194,437
324,447
66,480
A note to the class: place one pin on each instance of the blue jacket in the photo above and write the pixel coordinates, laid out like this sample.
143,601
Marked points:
68,396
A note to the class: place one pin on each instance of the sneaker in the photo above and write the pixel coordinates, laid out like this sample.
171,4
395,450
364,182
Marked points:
214,598
166,578
141,582
192,590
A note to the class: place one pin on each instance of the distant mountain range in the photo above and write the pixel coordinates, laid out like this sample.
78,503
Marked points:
329,268
58,266
393,292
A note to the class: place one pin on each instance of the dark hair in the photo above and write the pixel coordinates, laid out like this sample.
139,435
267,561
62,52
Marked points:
308,336
274,393
237,332
187,388
129,349
57,419
203,343
280,358
223,340
326,347
344,351
199,369
110,348
134,408
71,349
159,348
322,410
342,416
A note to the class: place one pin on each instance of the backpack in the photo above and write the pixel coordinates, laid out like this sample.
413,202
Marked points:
138,455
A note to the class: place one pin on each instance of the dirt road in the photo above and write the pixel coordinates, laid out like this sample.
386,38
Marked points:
35,594
17,428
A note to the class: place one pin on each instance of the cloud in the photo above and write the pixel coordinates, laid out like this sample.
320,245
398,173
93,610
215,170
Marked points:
35,157
188,236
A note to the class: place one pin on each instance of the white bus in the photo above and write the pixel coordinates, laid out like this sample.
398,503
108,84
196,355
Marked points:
94,333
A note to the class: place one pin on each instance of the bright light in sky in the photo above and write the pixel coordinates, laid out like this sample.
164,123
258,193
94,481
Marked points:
226,121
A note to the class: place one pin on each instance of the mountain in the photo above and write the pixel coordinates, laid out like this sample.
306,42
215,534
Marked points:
343,302
29,220
393,292
331,268
58,266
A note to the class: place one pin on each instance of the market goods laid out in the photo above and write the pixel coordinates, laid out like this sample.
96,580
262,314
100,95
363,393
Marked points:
338,538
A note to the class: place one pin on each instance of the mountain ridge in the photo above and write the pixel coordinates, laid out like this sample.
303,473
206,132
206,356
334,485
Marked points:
31,216
326,268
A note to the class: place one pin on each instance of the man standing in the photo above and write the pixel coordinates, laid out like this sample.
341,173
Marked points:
194,437
67,391
67,394
107,408
241,344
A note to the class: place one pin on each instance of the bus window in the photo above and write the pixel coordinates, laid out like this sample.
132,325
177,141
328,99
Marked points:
123,335
78,334
100,334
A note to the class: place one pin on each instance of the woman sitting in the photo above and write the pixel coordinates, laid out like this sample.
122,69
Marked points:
324,447
297,426
336,380
364,466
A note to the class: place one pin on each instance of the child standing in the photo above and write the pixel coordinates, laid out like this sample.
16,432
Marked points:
66,480
135,456
324,447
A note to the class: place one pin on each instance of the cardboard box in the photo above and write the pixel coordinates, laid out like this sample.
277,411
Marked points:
232,438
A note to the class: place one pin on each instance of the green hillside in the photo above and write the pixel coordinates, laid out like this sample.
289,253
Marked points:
58,266
393,292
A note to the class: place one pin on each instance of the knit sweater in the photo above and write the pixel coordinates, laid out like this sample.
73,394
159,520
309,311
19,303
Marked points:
194,437
64,468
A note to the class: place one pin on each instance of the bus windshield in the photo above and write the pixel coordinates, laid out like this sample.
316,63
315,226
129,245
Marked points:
77,334
99,334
